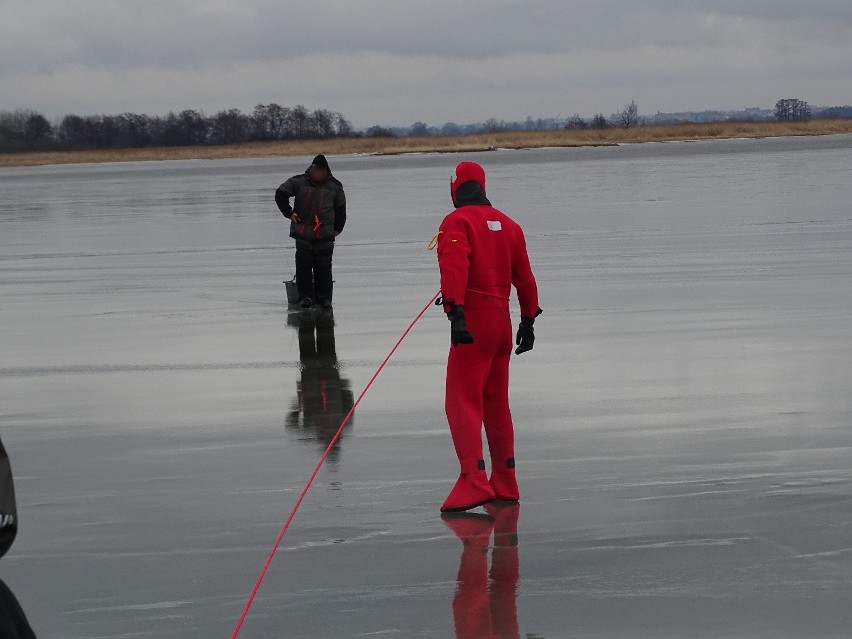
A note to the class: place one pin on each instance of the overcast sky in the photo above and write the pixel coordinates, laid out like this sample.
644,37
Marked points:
437,61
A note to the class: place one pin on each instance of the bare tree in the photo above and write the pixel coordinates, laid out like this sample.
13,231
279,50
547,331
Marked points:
134,130
379,132
24,130
419,129
37,131
792,109
229,127
344,127
260,126
576,122
192,127
277,117
12,128
599,121
492,125
75,132
629,115
451,129
323,123
299,121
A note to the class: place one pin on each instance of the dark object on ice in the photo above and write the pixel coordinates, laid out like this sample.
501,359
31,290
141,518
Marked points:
13,621
8,511
525,337
292,292
458,329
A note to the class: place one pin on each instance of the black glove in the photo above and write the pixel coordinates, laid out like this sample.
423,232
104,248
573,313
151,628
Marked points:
458,329
525,337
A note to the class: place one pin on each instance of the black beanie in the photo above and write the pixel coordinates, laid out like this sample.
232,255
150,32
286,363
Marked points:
321,162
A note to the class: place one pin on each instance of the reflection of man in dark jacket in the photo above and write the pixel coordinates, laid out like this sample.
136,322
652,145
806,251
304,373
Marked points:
317,216
323,397
13,622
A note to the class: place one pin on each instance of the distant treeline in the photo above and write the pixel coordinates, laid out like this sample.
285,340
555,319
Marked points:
451,129
26,130
786,109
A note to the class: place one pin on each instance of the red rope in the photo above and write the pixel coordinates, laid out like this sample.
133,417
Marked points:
317,469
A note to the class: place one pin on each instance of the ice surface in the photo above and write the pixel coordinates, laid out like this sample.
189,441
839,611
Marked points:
683,424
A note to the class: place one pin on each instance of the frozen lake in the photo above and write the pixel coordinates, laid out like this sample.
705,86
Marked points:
684,424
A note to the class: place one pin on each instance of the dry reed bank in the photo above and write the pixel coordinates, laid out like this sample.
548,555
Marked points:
477,142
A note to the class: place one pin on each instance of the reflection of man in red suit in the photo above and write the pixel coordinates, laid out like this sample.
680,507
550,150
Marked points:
485,603
482,254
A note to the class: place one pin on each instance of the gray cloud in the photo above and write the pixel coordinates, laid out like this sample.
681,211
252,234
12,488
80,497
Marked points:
383,62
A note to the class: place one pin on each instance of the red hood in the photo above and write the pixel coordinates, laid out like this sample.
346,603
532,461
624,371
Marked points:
466,172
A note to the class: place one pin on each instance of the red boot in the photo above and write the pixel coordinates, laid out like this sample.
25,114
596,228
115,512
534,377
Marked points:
503,481
472,489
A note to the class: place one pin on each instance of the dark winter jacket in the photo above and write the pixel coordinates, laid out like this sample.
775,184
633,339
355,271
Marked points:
321,208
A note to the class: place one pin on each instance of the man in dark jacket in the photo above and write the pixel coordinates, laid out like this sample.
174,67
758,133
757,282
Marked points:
13,622
317,216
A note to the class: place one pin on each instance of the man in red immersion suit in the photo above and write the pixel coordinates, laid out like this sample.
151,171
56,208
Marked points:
482,254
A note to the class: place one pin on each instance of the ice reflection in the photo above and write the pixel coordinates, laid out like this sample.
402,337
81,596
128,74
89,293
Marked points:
323,396
485,602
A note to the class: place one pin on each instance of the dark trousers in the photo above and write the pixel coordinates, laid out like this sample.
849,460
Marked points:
313,270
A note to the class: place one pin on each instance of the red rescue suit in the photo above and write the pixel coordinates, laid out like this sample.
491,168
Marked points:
481,255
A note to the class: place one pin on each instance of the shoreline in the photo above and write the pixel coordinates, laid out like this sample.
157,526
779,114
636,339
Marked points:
498,140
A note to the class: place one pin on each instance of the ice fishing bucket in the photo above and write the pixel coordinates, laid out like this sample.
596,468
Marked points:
292,292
